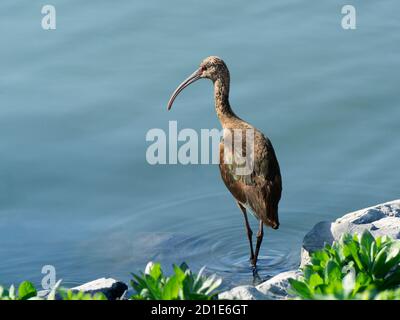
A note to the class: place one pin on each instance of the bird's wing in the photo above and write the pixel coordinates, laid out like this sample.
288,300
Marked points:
264,194
260,189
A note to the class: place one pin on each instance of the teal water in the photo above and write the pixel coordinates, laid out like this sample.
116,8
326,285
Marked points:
76,191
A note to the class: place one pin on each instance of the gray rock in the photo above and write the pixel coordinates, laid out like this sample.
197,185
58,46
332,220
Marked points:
275,288
111,288
242,293
382,219
316,239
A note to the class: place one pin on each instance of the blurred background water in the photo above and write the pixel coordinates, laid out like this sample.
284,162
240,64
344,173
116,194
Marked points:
76,191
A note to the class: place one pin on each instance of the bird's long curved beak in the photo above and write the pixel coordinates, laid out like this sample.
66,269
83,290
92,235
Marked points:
192,78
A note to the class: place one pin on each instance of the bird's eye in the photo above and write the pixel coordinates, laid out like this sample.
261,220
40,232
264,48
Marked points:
203,68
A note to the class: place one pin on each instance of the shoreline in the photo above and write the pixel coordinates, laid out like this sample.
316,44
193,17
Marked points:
381,219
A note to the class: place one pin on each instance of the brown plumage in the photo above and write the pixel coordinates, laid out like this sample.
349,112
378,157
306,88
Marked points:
259,190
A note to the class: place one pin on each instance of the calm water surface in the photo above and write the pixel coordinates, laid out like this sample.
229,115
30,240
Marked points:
76,191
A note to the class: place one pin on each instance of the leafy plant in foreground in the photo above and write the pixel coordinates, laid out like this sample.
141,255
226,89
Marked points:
352,268
181,285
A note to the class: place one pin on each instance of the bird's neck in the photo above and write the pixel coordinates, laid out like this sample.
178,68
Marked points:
222,106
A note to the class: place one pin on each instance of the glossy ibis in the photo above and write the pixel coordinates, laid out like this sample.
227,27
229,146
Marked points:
260,190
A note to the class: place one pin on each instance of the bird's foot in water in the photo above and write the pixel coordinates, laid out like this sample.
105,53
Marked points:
256,278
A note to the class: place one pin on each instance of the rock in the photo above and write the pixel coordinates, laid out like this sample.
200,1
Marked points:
273,289
111,288
382,219
242,293
277,287
316,239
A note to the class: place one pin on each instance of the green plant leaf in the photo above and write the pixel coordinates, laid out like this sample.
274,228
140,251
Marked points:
378,265
180,274
392,280
362,281
315,280
320,257
308,271
354,249
155,271
300,288
183,266
366,240
393,256
171,288
26,290
183,284
332,272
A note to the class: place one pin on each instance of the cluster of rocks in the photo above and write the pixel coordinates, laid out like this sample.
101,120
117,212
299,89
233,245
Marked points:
383,219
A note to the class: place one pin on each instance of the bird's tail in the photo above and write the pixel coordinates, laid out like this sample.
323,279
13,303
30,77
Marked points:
271,217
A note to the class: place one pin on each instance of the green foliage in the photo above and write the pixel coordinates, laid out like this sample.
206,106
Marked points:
181,285
79,295
26,290
388,295
353,268
150,285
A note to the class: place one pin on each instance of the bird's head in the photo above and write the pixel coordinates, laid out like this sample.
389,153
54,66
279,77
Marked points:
212,68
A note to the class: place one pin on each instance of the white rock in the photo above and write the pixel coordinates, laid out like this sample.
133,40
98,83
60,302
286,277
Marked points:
242,293
272,289
111,288
277,287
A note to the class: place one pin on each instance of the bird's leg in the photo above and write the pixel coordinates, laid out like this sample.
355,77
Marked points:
248,230
260,235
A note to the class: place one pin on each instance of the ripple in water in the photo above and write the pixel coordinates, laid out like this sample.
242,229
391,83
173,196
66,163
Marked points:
216,238
207,229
